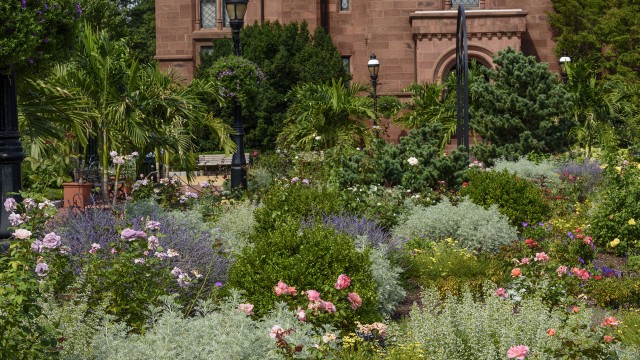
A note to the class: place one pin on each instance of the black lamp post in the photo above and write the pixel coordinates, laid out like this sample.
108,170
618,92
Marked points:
374,66
236,10
564,61
11,153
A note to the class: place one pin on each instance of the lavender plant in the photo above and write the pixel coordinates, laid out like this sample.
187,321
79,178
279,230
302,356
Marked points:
581,178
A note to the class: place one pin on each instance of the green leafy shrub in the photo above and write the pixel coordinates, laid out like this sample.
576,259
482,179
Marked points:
213,333
388,105
389,164
630,330
464,328
615,292
308,258
618,205
36,33
292,200
520,200
473,226
445,266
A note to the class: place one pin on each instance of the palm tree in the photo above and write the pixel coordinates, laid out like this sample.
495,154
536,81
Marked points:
326,116
127,106
435,103
430,103
592,109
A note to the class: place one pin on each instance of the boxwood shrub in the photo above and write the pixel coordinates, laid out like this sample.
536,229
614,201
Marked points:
307,258
518,199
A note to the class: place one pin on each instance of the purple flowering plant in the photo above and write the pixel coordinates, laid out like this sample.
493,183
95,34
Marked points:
36,33
238,78
33,260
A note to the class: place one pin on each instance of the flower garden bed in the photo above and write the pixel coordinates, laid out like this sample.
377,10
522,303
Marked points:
516,262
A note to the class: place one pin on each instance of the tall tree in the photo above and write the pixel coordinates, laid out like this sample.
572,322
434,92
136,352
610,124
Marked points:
600,32
288,55
522,108
128,106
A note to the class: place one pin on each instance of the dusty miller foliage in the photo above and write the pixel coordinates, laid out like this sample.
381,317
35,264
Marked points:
473,226
221,332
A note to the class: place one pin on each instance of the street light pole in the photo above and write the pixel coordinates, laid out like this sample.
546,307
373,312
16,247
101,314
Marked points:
564,61
236,10
374,66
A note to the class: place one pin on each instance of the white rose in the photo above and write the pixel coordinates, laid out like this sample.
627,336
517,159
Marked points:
22,234
412,161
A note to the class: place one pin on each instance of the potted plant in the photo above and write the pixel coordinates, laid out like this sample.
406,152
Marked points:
78,192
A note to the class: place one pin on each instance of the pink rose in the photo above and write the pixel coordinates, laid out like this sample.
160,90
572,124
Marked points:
276,330
541,257
518,352
302,316
501,292
588,240
607,338
246,308
610,321
562,270
355,300
343,282
525,261
281,288
328,306
313,295
583,274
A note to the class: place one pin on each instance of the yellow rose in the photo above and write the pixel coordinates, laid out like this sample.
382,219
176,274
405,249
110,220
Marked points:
619,168
615,242
604,166
632,221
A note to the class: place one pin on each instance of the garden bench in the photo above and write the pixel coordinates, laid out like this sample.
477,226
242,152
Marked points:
217,161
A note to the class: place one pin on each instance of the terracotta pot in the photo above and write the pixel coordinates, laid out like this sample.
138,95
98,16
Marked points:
77,194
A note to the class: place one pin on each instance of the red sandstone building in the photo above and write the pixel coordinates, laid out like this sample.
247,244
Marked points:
414,40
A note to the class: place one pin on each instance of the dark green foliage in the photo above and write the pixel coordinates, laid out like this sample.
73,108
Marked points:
601,32
518,199
388,163
239,79
34,34
388,106
310,258
520,110
288,55
133,20
619,202
292,202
